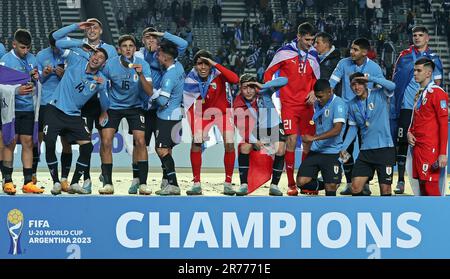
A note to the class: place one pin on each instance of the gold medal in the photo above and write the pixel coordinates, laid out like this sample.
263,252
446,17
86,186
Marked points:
311,122
131,65
367,123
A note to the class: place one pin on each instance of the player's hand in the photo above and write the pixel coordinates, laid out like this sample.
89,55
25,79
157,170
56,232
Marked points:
365,78
59,71
47,70
411,139
26,89
442,161
34,74
88,48
156,34
209,61
198,137
256,84
307,138
98,79
344,155
258,145
311,98
103,119
85,25
137,68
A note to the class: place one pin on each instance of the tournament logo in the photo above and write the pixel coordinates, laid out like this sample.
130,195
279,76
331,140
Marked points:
14,222
388,170
443,104
371,106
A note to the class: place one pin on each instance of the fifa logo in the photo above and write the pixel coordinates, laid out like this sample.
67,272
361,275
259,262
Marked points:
15,224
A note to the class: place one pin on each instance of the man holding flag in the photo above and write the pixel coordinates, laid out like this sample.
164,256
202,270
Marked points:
205,99
299,62
261,132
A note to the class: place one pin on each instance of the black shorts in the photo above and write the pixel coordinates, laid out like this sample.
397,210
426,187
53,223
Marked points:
270,135
24,123
327,164
90,112
41,120
168,133
404,120
150,125
134,116
73,128
381,159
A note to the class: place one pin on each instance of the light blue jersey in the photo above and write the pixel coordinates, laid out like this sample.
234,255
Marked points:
268,115
372,116
26,65
126,89
324,118
2,50
171,93
77,86
47,57
345,68
156,69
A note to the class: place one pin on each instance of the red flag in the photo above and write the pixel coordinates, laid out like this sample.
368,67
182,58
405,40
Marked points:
260,169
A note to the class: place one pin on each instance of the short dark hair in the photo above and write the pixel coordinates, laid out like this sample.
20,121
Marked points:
103,51
247,78
326,37
426,62
23,36
126,37
306,28
202,53
51,39
363,43
321,85
356,75
95,20
149,29
169,48
419,28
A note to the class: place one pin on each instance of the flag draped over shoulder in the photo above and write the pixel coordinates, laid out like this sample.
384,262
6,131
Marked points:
10,79
291,50
192,85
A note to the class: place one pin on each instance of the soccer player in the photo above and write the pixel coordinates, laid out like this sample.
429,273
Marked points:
51,70
20,59
369,112
329,55
428,133
128,76
357,62
168,124
81,80
405,90
91,111
151,38
330,116
263,128
205,99
299,63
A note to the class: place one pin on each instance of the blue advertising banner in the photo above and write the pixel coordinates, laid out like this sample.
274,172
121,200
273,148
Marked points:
223,227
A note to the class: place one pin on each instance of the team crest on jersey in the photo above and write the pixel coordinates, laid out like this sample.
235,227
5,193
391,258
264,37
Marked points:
92,86
425,167
388,170
327,113
371,106
214,85
424,101
135,77
443,104
336,169
282,132
142,118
